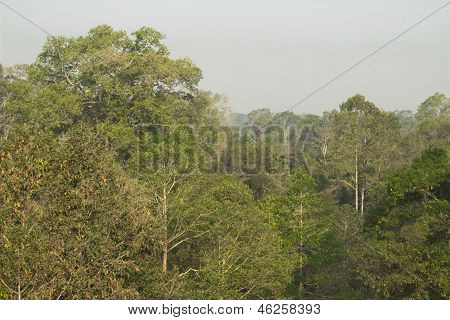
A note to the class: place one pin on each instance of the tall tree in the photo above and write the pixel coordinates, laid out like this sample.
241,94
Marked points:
300,218
362,146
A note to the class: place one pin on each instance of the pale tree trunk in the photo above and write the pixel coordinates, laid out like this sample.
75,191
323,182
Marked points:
362,201
165,243
19,283
324,152
19,291
286,147
162,199
323,142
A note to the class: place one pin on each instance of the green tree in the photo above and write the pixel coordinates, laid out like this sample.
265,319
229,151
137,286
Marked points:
434,119
362,147
232,251
71,221
406,255
301,219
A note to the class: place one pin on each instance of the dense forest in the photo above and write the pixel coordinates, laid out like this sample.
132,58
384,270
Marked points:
121,179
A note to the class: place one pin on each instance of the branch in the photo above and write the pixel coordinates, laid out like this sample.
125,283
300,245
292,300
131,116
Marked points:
430,194
347,183
249,290
178,243
12,291
187,271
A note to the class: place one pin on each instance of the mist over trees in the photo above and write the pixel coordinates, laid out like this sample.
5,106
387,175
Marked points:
121,179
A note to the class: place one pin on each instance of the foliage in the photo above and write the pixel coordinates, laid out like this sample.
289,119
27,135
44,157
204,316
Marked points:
66,211
118,182
408,250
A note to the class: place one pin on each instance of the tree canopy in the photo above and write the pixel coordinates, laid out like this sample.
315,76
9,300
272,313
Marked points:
120,178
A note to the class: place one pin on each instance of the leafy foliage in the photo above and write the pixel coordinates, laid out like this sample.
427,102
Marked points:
99,198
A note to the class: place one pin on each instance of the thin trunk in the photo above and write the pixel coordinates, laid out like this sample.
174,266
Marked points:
165,254
19,282
287,152
165,233
362,201
324,152
138,150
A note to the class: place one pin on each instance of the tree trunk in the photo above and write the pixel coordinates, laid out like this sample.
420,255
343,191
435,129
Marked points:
165,248
164,261
362,201
19,292
301,251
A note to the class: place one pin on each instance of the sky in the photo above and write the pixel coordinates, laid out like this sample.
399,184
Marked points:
268,53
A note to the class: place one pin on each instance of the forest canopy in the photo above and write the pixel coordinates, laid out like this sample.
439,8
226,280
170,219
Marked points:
120,178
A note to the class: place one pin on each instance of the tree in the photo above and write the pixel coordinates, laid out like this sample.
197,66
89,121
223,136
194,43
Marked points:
300,217
71,221
260,117
406,254
233,252
362,146
114,82
434,119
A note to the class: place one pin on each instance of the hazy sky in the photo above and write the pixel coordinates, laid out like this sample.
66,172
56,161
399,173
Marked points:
268,53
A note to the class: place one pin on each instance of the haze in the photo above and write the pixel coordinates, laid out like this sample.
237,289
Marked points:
268,53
